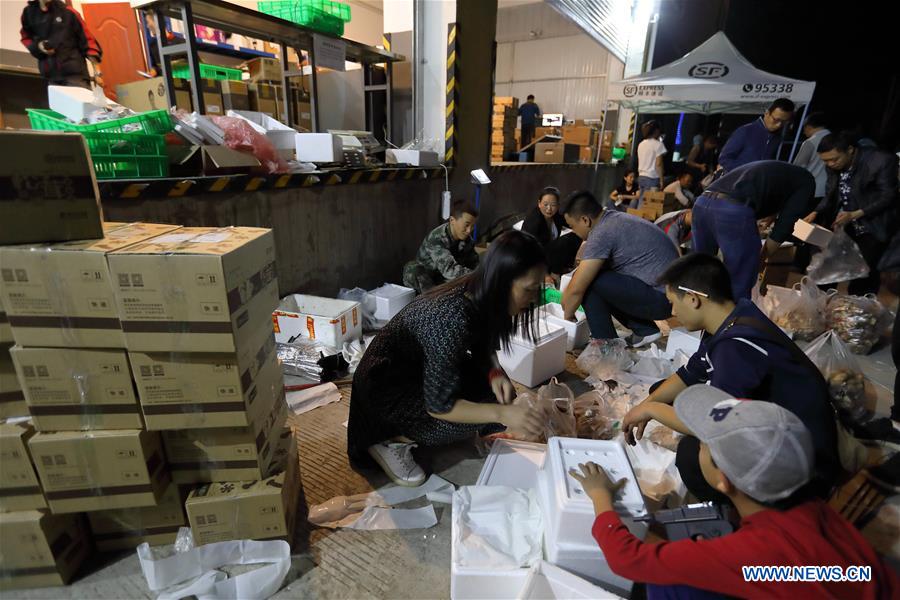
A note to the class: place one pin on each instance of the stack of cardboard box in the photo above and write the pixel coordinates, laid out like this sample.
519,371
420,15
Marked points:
266,92
153,339
656,204
503,127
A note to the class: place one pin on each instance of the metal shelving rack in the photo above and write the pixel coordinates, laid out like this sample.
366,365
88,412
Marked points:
250,23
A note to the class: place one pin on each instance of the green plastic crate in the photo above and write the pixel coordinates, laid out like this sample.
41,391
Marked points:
286,9
181,70
151,122
128,155
306,15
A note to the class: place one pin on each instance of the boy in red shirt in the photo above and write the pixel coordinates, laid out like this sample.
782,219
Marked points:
758,454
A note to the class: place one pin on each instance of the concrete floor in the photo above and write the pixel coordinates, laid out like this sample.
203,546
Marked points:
351,564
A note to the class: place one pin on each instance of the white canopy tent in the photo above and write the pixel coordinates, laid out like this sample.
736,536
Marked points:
712,78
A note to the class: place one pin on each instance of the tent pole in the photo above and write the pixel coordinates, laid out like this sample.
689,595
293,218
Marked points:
600,139
799,129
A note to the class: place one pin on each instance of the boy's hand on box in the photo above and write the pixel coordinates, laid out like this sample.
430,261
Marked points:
597,484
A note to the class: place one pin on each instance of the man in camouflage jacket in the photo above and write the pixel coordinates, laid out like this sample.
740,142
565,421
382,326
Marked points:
447,252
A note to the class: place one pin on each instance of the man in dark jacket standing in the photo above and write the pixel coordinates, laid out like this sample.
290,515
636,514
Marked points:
861,196
57,37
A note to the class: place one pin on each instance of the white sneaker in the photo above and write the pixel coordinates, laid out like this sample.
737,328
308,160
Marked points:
397,461
636,341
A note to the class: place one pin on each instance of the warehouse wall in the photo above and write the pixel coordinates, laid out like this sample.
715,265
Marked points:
540,52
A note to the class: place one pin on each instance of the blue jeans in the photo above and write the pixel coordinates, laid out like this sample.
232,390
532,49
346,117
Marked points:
732,227
644,184
634,303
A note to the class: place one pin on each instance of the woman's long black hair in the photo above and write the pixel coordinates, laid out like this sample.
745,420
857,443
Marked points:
510,256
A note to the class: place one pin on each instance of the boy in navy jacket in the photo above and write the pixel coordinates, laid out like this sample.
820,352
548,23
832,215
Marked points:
743,353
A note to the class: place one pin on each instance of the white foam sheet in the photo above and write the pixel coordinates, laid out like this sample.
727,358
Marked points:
497,527
197,570
306,400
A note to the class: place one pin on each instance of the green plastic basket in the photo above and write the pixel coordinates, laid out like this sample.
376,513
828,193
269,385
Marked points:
181,70
306,14
152,122
288,8
128,155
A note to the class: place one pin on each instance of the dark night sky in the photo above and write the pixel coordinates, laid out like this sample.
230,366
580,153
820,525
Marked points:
850,49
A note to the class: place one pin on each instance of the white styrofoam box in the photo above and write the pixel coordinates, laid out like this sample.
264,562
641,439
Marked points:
281,136
564,282
512,463
548,582
532,363
583,559
578,333
684,340
416,158
574,511
319,147
390,299
468,583
812,233
329,321
74,103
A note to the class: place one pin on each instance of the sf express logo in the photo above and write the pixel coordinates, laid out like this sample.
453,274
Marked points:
768,88
642,91
708,70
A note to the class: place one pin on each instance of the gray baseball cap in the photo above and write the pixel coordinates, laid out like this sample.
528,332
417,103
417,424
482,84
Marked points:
764,449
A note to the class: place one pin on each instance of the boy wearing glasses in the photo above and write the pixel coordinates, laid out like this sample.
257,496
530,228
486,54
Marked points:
743,353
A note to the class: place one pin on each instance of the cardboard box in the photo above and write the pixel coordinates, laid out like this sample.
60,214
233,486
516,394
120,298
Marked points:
213,99
51,194
659,197
540,132
61,295
12,398
645,213
780,275
506,101
192,391
587,154
580,135
304,114
555,152
20,488
126,529
264,69
319,147
99,470
230,453
263,99
74,389
5,330
183,98
143,95
40,549
188,161
235,95
257,510
226,289
784,254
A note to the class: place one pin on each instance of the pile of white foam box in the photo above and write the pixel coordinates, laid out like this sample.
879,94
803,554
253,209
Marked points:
581,571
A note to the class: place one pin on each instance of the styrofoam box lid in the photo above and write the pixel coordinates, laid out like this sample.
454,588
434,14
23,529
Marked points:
546,331
316,306
556,310
512,463
391,290
546,581
565,454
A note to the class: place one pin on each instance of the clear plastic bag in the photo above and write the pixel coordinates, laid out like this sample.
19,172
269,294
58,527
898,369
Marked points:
802,312
860,321
558,403
840,261
366,304
240,135
605,361
846,382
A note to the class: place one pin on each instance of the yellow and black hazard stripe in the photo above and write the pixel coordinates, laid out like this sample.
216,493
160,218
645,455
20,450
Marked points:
236,184
386,41
631,128
452,84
